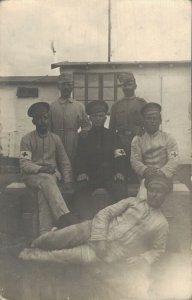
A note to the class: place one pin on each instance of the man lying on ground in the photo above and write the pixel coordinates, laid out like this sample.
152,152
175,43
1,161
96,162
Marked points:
131,229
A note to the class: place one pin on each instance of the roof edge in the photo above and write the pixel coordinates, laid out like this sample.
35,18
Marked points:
120,63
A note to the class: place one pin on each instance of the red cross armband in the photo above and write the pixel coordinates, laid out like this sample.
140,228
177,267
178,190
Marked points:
119,152
26,154
173,154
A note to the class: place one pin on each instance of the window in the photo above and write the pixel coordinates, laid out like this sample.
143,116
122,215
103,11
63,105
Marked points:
95,86
26,92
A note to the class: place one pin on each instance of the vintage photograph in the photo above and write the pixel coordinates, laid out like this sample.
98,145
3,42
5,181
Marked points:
95,150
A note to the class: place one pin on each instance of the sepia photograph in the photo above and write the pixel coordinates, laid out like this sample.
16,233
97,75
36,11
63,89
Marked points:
95,150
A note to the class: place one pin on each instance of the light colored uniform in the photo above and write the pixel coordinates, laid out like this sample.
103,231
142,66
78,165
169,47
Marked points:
67,116
131,227
158,150
38,151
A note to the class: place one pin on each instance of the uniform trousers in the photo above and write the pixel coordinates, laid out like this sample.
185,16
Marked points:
50,200
67,245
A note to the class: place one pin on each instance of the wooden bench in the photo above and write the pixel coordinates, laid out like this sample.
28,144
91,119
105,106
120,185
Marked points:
23,201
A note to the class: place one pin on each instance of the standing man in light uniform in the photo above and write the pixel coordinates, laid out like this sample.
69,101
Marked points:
68,116
43,161
126,117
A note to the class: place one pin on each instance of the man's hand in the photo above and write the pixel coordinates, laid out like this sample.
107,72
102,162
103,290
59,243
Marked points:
150,171
47,169
100,248
160,173
137,260
83,133
68,187
83,177
119,177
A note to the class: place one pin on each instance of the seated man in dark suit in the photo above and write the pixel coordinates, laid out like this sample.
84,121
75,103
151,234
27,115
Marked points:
100,161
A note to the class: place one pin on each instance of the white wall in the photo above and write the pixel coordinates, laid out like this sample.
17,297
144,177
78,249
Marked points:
14,120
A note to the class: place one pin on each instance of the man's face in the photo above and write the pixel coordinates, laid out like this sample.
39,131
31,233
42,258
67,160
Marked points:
41,121
98,119
66,89
155,195
129,87
152,122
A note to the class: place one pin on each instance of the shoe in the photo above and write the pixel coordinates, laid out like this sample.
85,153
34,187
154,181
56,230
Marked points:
67,220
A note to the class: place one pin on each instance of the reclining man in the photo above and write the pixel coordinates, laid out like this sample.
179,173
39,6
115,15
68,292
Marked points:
40,153
155,152
134,230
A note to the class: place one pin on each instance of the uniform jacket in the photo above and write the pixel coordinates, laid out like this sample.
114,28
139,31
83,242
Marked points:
100,155
37,151
131,227
67,116
158,150
125,115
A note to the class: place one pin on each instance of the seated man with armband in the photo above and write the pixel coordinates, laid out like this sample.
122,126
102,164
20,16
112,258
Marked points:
155,152
43,161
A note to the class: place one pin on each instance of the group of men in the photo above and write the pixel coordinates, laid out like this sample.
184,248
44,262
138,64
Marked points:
92,161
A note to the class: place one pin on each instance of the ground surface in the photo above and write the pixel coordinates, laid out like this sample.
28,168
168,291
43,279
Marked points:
171,277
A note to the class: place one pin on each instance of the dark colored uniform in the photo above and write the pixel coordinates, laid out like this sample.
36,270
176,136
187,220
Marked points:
100,155
127,121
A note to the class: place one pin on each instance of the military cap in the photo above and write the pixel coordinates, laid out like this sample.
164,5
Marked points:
151,107
37,107
96,106
65,78
125,77
165,182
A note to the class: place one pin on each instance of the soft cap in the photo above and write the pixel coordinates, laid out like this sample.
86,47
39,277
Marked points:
96,106
37,108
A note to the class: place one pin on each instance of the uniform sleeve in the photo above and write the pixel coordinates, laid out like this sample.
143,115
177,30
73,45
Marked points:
103,218
173,157
112,121
136,157
120,158
26,164
158,244
81,157
85,122
63,161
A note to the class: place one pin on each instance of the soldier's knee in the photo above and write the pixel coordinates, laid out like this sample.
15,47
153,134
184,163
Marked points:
46,179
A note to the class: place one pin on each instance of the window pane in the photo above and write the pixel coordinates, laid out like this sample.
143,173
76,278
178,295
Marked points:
108,94
79,80
108,80
120,94
93,80
79,93
25,92
93,94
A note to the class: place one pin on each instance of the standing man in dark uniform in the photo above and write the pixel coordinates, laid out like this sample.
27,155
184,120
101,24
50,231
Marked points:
100,158
125,118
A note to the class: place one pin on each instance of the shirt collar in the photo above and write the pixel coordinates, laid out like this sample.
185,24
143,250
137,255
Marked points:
130,98
154,134
68,100
42,135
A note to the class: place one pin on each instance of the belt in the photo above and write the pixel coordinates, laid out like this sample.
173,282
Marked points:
125,132
66,129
